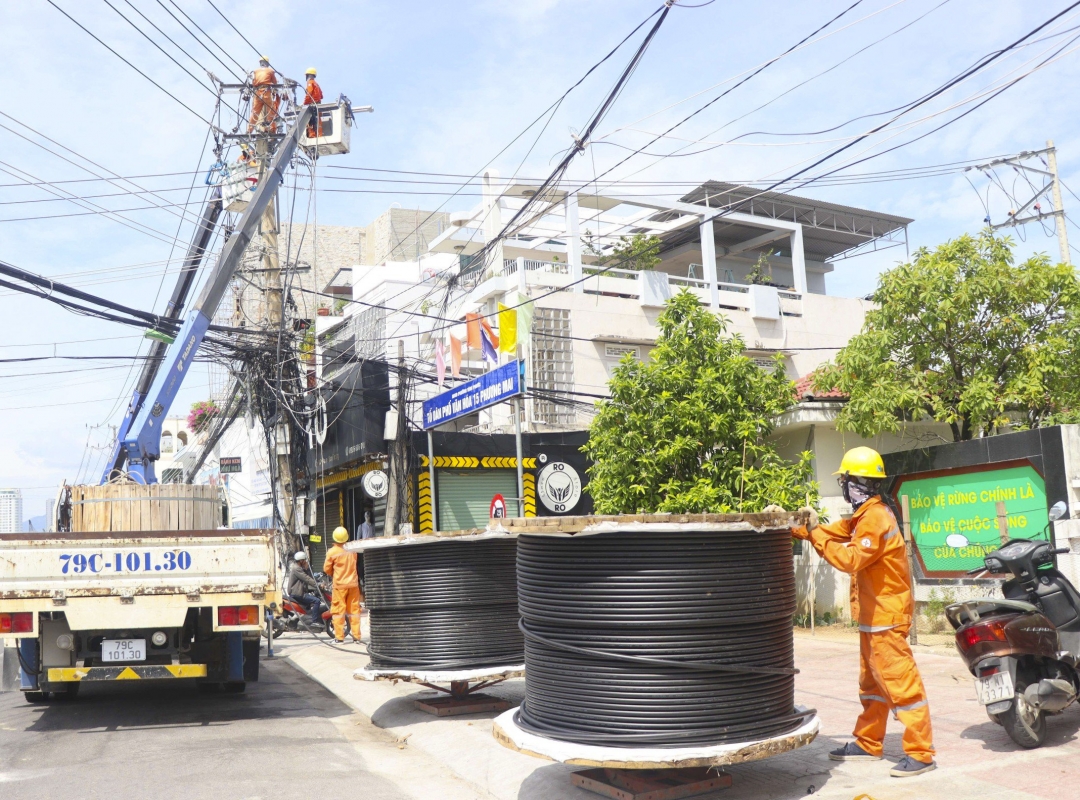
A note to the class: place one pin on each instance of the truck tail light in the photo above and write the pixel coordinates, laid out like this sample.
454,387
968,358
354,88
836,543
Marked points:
19,622
993,630
238,615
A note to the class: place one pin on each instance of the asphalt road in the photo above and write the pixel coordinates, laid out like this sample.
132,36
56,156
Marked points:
287,737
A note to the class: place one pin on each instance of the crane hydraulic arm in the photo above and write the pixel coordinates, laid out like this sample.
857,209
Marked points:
207,223
143,440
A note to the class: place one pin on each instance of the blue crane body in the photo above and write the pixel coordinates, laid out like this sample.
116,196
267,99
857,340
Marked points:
139,441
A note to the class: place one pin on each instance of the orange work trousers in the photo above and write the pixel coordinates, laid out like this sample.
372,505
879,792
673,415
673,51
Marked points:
890,681
345,602
264,109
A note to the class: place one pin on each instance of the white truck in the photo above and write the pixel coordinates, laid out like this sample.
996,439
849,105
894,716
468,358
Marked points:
106,606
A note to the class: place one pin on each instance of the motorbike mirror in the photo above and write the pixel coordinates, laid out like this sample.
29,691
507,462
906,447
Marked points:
956,540
1058,510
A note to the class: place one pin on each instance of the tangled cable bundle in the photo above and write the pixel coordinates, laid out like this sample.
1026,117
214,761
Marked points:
661,639
443,605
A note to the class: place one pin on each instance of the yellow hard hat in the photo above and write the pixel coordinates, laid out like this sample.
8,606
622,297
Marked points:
341,535
310,71
265,58
863,462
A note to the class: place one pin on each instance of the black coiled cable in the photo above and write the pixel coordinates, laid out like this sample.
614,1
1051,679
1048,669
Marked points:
637,638
443,605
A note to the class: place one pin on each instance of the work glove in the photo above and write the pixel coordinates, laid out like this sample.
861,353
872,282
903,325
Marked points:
812,522
773,509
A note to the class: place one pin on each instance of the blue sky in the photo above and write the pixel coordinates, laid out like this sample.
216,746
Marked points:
452,85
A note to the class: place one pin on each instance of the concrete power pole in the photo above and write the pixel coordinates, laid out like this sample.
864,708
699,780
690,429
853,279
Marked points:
1059,209
399,469
273,307
1031,210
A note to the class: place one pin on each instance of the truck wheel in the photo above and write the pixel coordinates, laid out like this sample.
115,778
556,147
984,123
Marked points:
1025,724
36,697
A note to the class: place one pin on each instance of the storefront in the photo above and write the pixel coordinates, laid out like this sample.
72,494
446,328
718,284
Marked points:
349,463
471,469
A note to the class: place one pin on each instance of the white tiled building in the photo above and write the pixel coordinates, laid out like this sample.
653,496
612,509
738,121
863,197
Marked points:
11,511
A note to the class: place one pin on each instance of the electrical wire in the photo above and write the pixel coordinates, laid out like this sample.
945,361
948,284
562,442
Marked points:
111,50
658,638
443,605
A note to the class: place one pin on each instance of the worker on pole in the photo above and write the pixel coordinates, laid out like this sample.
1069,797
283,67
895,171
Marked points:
340,567
265,101
869,547
313,95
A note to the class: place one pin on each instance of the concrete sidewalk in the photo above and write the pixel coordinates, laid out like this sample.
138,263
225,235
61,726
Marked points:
976,758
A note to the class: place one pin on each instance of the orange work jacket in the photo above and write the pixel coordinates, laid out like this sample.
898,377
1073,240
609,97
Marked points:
264,76
869,546
340,566
313,93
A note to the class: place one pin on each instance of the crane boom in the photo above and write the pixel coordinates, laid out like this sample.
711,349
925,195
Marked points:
143,440
194,257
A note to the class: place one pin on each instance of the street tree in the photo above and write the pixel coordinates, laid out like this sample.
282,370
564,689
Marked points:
686,430
964,336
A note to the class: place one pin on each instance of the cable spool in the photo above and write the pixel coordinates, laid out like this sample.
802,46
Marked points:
661,638
443,605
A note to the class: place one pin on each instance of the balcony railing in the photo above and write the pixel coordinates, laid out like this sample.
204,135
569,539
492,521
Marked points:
617,282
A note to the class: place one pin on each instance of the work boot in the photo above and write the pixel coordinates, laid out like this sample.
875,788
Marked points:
852,752
908,766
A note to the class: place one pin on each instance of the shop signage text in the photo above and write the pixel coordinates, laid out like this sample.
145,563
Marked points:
953,516
490,388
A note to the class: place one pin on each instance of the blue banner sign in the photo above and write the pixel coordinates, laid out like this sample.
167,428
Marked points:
490,388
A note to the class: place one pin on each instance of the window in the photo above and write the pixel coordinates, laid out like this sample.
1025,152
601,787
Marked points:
553,366
166,442
619,351
182,436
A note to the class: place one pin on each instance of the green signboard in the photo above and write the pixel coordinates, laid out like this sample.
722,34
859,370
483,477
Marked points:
954,518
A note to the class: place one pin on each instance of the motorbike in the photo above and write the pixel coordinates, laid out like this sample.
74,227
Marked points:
292,613
1023,649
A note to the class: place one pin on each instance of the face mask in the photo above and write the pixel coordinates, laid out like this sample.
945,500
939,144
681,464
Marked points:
856,494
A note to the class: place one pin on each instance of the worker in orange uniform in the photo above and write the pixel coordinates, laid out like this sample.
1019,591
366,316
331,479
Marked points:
869,547
264,103
313,95
340,567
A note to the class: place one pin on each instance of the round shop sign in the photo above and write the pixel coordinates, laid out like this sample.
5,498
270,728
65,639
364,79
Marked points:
376,484
559,487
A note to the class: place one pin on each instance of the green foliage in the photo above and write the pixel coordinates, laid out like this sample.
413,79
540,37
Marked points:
761,273
964,336
637,252
686,431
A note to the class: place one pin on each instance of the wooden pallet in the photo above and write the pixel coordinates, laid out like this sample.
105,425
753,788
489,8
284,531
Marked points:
651,784
453,706
140,507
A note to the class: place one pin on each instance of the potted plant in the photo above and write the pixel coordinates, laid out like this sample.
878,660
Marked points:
323,310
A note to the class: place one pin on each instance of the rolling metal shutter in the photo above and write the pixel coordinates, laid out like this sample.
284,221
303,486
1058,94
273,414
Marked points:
326,519
464,496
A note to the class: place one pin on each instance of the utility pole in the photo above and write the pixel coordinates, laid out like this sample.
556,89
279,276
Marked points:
1059,218
399,472
1051,185
273,307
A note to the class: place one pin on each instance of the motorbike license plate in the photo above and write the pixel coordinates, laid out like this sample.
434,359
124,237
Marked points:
123,650
994,688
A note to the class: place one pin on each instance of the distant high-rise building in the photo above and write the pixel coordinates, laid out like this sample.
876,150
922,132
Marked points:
50,514
10,510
